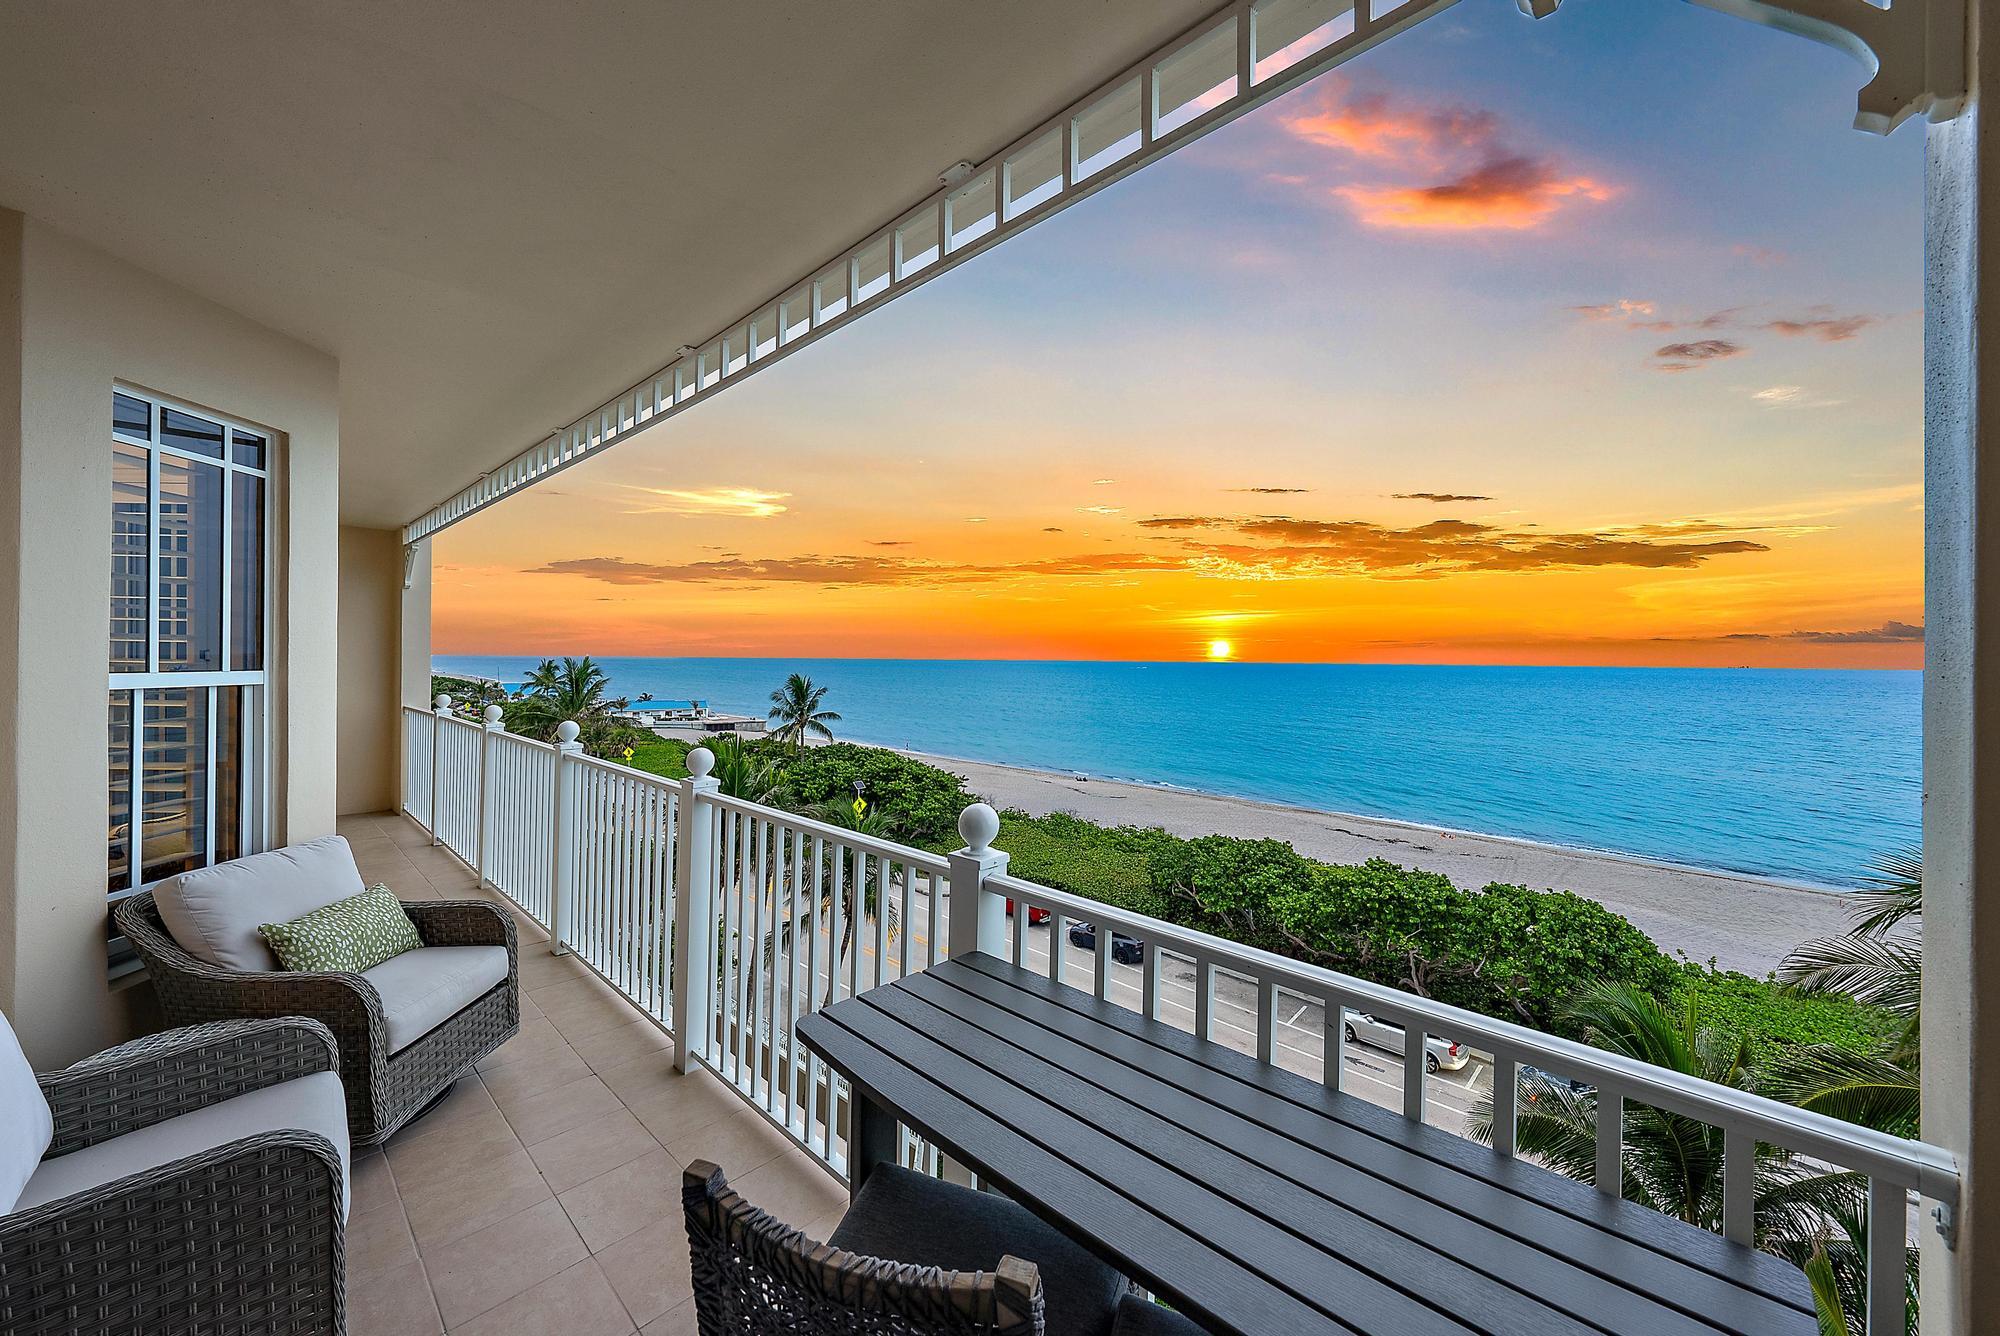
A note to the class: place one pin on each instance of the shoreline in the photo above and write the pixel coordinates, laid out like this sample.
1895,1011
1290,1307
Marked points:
1743,922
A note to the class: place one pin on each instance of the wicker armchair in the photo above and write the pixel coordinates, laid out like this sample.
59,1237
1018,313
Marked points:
384,1089
245,1237
756,1276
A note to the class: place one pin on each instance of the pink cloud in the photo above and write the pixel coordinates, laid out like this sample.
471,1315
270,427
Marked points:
1478,180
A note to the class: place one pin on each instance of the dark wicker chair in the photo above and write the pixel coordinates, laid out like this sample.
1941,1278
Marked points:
755,1276
245,1238
384,1089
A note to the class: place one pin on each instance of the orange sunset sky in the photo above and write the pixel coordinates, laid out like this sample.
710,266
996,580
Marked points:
1588,341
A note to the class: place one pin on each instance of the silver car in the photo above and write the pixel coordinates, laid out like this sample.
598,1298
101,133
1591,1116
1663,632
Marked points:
1440,1055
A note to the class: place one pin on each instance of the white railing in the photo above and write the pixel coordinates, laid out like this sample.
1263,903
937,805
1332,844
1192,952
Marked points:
695,904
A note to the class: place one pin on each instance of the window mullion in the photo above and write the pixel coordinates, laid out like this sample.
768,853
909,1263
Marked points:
213,698
152,601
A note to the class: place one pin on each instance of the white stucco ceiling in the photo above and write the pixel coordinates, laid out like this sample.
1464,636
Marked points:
498,212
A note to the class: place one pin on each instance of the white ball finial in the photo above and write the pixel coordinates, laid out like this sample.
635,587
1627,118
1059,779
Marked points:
566,731
443,702
977,825
492,714
700,760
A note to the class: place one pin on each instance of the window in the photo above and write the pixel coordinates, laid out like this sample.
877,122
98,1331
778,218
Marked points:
189,580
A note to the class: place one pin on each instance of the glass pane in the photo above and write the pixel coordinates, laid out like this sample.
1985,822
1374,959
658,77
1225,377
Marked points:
1108,131
246,575
249,450
972,210
1285,32
190,566
798,312
130,540
174,804
830,290
119,873
917,243
1034,174
872,269
229,773
1197,78
197,436
711,364
764,332
736,348
131,416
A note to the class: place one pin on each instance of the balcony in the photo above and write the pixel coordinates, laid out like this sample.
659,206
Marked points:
546,1189
543,1194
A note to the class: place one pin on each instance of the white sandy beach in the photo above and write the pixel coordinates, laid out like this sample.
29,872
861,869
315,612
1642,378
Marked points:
1744,923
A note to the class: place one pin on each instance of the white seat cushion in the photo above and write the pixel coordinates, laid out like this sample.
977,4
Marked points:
26,1126
314,1103
422,989
214,912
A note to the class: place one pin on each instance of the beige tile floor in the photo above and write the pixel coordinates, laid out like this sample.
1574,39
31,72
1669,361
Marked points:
543,1195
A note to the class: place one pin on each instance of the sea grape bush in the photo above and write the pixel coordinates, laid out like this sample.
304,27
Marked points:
922,802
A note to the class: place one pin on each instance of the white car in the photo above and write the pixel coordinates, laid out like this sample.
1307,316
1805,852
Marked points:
1440,1055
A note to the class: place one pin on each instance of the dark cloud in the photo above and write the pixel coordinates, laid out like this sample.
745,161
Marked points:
1440,498
1272,491
888,542
1689,356
1888,633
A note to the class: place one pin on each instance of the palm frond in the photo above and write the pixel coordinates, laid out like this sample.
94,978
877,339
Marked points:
1884,970
1873,1092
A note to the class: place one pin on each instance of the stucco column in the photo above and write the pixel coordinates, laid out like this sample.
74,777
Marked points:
1961,1075
413,645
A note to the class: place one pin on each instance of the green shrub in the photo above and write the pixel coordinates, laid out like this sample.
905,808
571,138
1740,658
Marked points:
1772,1016
921,801
1081,857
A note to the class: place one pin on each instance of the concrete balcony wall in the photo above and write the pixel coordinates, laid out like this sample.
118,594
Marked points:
72,321
369,764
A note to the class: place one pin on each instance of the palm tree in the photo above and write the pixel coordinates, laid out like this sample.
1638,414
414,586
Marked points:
573,689
1880,958
741,772
1674,1164
795,708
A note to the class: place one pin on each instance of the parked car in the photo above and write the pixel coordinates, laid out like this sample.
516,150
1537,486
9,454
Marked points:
1534,1080
1036,914
1439,1054
1125,950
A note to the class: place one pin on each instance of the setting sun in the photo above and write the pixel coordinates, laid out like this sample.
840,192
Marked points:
1220,649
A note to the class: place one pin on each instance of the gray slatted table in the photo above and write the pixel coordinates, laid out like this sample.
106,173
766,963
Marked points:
1259,1202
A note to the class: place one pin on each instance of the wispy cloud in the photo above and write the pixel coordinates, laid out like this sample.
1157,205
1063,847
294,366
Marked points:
1271,491
1099,510
1825,328
739,502
1474,178
1440,498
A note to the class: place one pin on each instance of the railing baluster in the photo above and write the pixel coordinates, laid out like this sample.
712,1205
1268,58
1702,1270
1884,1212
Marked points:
1103,981
1506,1102
818,850
857,916
1149,980
1333,1022
884,903
1058,946
1888,1227
1267,1019
1204,998
1413,1072
1610,1140
1739,1185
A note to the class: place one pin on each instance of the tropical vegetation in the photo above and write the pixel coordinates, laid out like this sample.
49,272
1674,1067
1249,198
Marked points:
795,709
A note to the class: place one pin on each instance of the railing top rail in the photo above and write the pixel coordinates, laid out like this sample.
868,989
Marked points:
462,723
901,853
1911,1164
519,740
627,771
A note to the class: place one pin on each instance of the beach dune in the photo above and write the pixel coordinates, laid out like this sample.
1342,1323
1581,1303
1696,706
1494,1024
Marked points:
1741,922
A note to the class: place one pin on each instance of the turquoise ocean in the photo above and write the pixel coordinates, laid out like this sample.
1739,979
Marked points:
1801,775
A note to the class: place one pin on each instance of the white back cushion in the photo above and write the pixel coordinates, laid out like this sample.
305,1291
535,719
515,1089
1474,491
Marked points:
26,1126
214,912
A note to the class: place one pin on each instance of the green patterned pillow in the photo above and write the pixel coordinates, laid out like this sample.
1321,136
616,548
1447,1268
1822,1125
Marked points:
348,935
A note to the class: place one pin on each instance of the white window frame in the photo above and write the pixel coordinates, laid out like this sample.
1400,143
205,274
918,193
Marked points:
254,796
